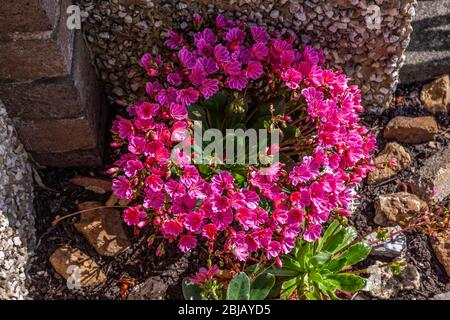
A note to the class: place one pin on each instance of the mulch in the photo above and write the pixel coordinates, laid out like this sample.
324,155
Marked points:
140,262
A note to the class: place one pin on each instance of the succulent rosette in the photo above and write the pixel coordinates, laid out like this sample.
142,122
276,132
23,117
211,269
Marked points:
235,76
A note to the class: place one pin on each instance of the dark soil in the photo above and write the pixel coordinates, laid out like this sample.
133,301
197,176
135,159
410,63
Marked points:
140,261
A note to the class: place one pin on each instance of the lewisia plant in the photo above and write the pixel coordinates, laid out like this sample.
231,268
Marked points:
240,211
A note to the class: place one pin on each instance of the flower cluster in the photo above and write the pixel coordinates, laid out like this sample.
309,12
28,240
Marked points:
274,207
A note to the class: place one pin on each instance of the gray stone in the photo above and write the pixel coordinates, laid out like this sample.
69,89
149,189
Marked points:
432,179
442,296
428,53
393,247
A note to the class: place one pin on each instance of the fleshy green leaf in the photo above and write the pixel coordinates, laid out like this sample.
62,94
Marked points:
320,258
261,286
355,253
288,287
190,290
330,230
239,288
347,281
340,240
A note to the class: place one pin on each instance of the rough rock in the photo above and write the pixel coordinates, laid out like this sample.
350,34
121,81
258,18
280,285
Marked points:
432,179
392,248
411,129
66,260
383,169
442,296
435,95
428,54
441,247
17,225
103,229
96,185
382,283
369,50
153,288
397,208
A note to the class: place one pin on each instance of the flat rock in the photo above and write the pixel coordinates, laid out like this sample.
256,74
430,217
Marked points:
435,95
432,179
442,296
383,169
383,284
392,248
103,228
154,288
97,185
441,247
411,129
397,208
66,258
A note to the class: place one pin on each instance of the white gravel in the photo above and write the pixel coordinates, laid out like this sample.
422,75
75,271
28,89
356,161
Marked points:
17,232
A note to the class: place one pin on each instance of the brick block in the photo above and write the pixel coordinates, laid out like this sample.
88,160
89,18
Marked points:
71,96
79,158
53,99
31,60
27,15
54,136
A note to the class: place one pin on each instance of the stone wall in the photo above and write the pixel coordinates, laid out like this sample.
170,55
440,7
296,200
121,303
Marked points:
48,84
428,54
120,31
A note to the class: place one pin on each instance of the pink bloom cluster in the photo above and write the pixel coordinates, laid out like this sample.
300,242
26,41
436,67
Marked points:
184,206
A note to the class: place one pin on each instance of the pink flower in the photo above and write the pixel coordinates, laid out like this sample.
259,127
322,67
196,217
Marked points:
133,167
287,57
209,88
222,219
167,96
246,218
198,74
238,82
222,181
260,50
187,58
174,79
187,96
295,216
154,182
178,111
153,199
175,40
273,250
193,222
259,34
124,127
171,229
190,175
146,110
312,232
133,215
221,54
235,36
187,242
209,231
146,60
203,275
232,68
305,172
254,70
122,187
183,204
292,78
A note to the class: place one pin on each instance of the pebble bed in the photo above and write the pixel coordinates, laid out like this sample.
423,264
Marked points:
17,232
369,48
